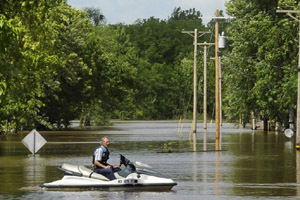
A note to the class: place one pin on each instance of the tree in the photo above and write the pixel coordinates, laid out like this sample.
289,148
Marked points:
259,72
95,15
22,76
161,89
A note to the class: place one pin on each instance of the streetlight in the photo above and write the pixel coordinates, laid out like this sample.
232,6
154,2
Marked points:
289,13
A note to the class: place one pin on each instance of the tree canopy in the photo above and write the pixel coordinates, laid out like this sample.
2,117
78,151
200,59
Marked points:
261,62
58,63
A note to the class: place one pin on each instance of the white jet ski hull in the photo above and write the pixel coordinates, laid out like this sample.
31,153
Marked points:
132,182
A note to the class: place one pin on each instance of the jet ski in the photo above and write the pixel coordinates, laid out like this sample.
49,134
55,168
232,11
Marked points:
136,176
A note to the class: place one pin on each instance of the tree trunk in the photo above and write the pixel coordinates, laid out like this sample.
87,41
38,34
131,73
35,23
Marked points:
266,125
87,120
291,119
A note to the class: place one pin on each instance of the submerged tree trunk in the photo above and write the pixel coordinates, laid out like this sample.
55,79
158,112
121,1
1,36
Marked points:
291,119
253,121
87,120
266,127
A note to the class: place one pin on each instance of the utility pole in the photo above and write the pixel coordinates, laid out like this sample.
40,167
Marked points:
205,44
220,89
289,13
221,46
195,92
217,99
218,76
205,87
195,35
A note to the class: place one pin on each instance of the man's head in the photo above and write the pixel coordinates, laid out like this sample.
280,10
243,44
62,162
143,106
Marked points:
105,141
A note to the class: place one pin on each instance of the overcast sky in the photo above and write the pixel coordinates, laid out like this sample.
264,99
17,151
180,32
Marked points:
128,11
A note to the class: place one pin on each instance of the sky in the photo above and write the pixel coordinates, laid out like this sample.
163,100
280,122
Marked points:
128,11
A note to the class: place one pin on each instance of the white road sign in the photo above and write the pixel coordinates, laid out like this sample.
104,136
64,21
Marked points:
34,141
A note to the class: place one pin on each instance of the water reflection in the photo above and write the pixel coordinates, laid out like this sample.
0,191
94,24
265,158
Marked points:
34,170
218,174
205,169
253,140
276,137
298,171
205,140
219,141
195,166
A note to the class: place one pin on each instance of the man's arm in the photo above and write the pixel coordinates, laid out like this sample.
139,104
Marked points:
116,166
97,163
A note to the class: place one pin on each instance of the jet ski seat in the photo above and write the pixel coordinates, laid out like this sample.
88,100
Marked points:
79,170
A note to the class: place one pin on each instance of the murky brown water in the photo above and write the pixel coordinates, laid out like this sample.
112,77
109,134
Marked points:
253,165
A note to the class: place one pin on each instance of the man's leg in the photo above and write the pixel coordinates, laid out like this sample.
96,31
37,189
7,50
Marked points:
106,172
116,169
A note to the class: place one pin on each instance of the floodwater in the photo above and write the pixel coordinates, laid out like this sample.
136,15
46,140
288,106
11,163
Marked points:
251,165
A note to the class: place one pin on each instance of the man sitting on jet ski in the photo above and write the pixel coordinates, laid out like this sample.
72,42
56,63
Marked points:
100,157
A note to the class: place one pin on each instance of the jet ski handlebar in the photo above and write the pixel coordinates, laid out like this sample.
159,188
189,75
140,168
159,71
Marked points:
124,161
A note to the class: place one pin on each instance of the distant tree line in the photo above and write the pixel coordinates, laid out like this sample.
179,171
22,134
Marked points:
58,63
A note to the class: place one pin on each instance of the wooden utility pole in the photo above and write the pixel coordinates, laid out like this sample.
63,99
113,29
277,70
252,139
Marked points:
221,46
217,99
298,98
205,87
195,92
205,82
220,89
195,35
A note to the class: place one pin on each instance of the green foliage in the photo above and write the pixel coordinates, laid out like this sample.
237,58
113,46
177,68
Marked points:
260,76
58,63
163,86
